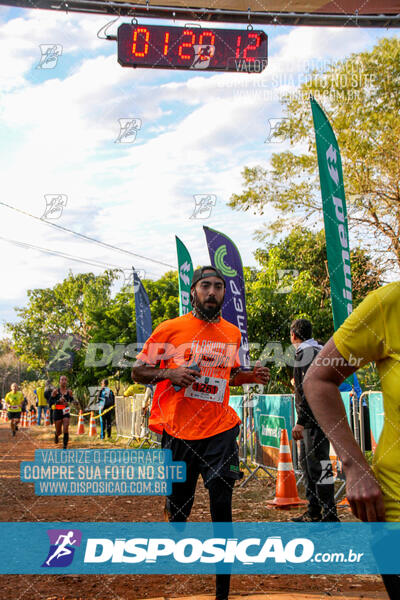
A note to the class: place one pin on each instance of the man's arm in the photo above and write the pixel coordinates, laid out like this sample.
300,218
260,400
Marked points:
259,374
321,383
182,376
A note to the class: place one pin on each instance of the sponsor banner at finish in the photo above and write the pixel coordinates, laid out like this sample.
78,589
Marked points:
194,548
335,215
142,311
270,430
185,272
225,256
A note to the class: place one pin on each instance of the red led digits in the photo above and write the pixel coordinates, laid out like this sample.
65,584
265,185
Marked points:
166,43
171,47
238,42
187,45
257,39
135,41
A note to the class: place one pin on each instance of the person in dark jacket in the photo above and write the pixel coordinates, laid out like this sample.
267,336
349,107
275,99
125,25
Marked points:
314,445
106,401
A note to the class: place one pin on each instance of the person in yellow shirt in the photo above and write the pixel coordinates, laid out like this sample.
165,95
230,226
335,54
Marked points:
370,333
14,400
41,403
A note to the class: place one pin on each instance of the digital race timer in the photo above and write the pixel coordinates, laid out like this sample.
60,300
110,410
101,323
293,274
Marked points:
164,47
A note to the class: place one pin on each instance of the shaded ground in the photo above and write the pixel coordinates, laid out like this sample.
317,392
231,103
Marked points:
19,503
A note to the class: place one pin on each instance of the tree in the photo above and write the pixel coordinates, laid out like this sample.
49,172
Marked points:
361,96
11,368
71,309
84,308
293,283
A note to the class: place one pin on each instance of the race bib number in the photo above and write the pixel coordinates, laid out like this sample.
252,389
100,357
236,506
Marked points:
14,408
211,389
66,410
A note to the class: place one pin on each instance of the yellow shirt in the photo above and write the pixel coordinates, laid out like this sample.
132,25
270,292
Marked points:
372,333
40,395
14,401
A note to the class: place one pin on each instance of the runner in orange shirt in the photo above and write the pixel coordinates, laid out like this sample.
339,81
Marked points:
197,356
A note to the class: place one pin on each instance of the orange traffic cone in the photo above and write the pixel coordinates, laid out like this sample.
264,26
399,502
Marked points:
344,503
286,488
33,418
6,417
92,426
22,420
28,419
47,418
81,427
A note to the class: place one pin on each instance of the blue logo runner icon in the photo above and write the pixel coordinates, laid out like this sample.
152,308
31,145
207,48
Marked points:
62,547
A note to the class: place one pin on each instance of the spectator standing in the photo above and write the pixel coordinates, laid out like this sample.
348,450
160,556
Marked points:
314,445
41,401
106,403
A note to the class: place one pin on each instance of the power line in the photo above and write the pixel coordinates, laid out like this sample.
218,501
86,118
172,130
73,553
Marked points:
86,237
95,263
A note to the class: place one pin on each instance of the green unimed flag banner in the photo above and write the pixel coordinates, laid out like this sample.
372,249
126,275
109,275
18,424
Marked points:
185,274
335,215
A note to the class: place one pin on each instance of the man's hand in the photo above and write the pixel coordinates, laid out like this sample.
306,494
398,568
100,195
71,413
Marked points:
297,432
363,493
182,376
260,373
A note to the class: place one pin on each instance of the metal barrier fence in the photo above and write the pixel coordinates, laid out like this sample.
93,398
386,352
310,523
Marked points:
131,423
264,416
123,417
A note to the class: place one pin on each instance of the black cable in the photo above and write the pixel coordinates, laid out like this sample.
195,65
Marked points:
86,237
62,254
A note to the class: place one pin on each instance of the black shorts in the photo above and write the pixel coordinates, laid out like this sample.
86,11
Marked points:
13,414
216,456
58,414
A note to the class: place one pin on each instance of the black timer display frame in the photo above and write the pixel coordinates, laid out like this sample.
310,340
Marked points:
194,48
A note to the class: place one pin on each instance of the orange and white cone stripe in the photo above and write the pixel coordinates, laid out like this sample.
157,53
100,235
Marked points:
47,418
286,494
80,430
92,426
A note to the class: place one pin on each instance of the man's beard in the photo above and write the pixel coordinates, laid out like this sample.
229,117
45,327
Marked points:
207,313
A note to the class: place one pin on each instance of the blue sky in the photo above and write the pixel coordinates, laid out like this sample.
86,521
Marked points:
198,130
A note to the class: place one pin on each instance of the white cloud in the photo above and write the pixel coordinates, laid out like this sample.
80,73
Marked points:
197,134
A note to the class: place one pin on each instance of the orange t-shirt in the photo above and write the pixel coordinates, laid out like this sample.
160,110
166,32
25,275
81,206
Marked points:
201,410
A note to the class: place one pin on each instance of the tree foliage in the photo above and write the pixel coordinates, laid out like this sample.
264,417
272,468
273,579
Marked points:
12,369
361,96
293,283
88,306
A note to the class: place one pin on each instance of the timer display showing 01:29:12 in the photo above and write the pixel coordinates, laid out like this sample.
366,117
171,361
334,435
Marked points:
164,47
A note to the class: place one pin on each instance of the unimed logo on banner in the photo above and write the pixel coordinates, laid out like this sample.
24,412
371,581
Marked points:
62,547
271,426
